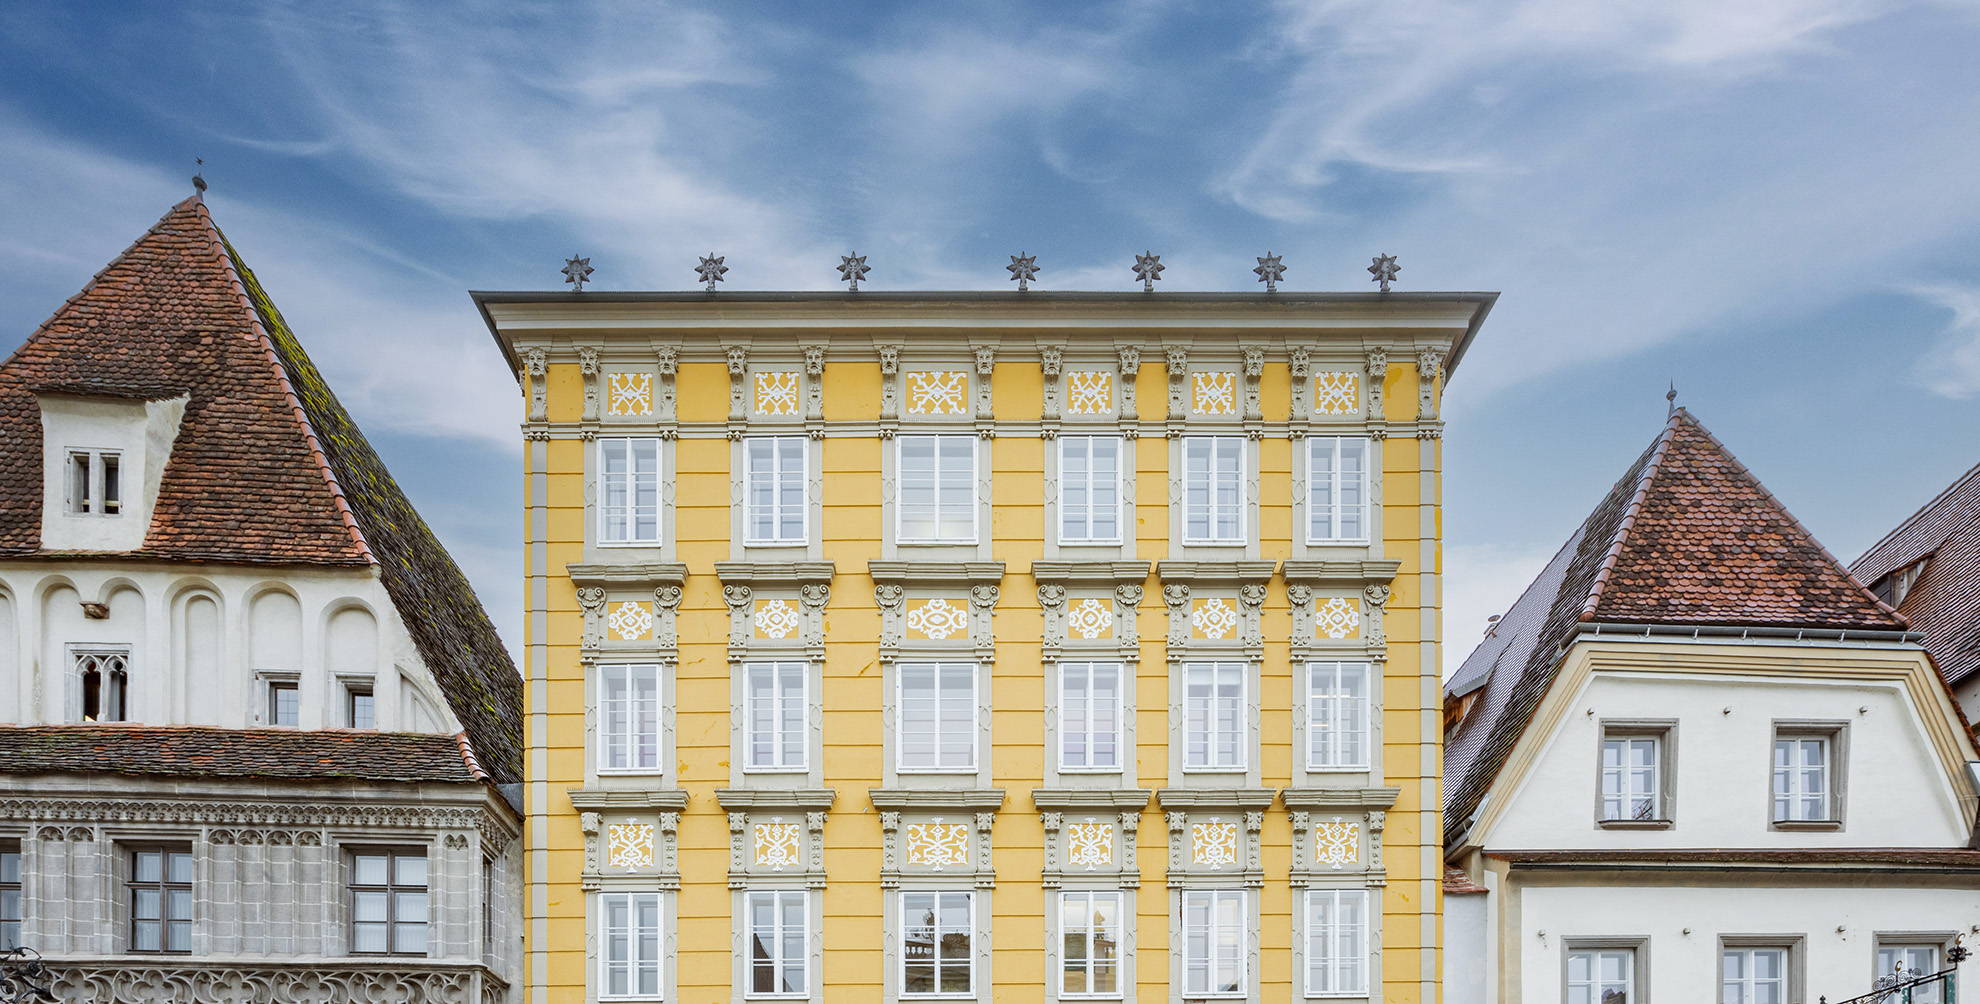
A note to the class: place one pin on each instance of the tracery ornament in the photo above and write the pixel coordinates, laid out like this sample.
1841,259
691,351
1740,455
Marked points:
776,845
1213,618
1089,845
1213,844
631,621
937,844
1336,843
776,619
1213,393
629,845
1337,618
629,394
1091,618
1089,392
1336,392
209,983
936,619
777,393
938,392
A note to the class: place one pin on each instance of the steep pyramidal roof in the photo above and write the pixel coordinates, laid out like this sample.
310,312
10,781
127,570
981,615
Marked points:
1688,537
1944,599
267,469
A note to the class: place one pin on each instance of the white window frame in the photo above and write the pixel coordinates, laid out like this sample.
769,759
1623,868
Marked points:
1212,510
1748,982
1790,779
1337,482
1086,929
790,753
1210,732
1091,484
1336,953
1624,792
609,740
635,961
95,495
1212,933
936,667
1325,735
782,449
901,483
969,898
779,938
1084,726
1595,983
631,508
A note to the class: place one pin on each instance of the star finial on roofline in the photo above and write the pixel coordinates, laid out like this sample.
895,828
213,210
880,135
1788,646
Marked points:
1148,268
711,270
853,268
1023,268
1270,270
1384,270
576,271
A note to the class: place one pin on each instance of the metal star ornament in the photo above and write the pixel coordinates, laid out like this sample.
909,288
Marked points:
1023,268
1384,270
852,268
1270,270
1148,268
711,270
576,271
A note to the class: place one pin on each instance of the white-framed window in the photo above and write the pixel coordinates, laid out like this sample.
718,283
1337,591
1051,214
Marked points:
1215,929
778,949
1336,489
1089,490
937,482
1337,715
774,706
1213,716
628,490
1801,779
95,483
1917,960
938,936
936,716
1753,976
1601,976
773,490
1337,943
1631,788
629,718
1090,936
1213,490
1090,716
629,933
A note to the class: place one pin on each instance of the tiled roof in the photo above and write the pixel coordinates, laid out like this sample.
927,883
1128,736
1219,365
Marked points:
268,467
1688,537
338,754
1944,602
1457,883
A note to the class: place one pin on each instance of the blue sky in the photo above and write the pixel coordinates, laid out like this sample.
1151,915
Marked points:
1773,203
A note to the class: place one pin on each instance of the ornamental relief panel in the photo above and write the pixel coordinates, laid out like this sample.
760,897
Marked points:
628,395
1336,393
778,847
1213,393
1328,845
1097,847
646,846
937,844
1102,622
1211,843
937,625
630,620
629,845
1331,622
937,619
1089,393
776,620
775,394
925,847
778,624
938,392
1090,619
775,845
184,981
1213,620
621,620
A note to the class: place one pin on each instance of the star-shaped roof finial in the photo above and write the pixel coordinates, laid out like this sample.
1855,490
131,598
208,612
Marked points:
853,268
576,271
1024,268
711,269
1270,270
1148,268
1384,270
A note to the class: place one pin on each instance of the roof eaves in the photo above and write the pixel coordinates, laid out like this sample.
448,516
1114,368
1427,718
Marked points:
1621,535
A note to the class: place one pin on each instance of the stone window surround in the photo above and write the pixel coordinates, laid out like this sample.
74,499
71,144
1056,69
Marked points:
982,986
1836,732
747,807
594,954
1796,945
1305,580
814,944
1178,946
662,806
1123,364
1639,949
979,805
1125,481
812,547
1370,542
1183,806
1247,580
1245,549
1124,956
1372,933
1122,583
979,421
892,582
1307,806
1665,731
595,547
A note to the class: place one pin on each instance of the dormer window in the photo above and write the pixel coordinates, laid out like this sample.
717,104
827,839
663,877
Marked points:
95,483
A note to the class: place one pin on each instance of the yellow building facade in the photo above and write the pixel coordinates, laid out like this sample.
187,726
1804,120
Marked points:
1028,646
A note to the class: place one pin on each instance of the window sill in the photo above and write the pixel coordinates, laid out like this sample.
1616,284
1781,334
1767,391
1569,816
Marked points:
1635,824
648,544
1806,824
937,771
1331,542
1089,543
1215,770
1091,770
1338,769
1240,542
631,772
800,769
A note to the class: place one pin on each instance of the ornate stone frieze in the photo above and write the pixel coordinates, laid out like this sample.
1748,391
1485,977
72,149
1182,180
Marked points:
1214,834
186,981
1215,607
776,835
1090,834
76,818
776,606
928,835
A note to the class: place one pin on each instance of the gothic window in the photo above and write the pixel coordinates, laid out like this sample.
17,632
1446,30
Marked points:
105,678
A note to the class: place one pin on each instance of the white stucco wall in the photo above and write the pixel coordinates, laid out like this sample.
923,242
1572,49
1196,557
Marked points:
141,433
1465,918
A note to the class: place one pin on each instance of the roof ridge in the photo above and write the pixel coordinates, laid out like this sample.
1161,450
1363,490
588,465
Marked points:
1623,525
467,754
1916,514
224,252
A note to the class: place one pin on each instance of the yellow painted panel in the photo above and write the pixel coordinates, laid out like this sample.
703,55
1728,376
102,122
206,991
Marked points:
563,393
701,392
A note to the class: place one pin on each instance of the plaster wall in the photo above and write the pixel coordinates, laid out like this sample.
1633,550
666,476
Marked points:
139,432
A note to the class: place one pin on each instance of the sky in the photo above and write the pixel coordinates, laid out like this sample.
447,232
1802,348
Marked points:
1772,205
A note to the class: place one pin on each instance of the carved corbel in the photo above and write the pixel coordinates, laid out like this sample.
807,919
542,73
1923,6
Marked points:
588,823
982,607
1429,361
1127,607
889,596
1178,821
670,846
1050,365
1254,370
1300,368
738,361
812,597
986,363
1254,825
1130,357
536,364
738,850
1299,597
1374,599
667,361
588,368
814,391
986,863
1053,822
737,596
591,600
1130,863
666,607
1302,821
1175,595
1375,818
1378,377
1178,362
1052,605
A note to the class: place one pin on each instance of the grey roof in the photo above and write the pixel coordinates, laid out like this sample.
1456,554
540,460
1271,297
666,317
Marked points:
1944,602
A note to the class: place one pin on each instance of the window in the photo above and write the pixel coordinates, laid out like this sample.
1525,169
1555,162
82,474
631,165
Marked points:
360,709
629,718
938,489
488,907
1753,976
10,895
937,934
161,899
1213,490
1336,489
95,483
629,931
1336,943
105,678
937,710
1337,715
284,703
1214,718
775,709
1916,960
629,491
1090,927
1801,779
1601,976
774,507
1089,716
1089,490
777,949
1214,927
1634,785
388,902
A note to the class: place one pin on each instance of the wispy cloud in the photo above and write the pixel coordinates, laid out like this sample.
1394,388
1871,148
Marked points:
1952,367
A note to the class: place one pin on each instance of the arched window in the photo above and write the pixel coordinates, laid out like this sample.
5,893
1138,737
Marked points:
105,675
